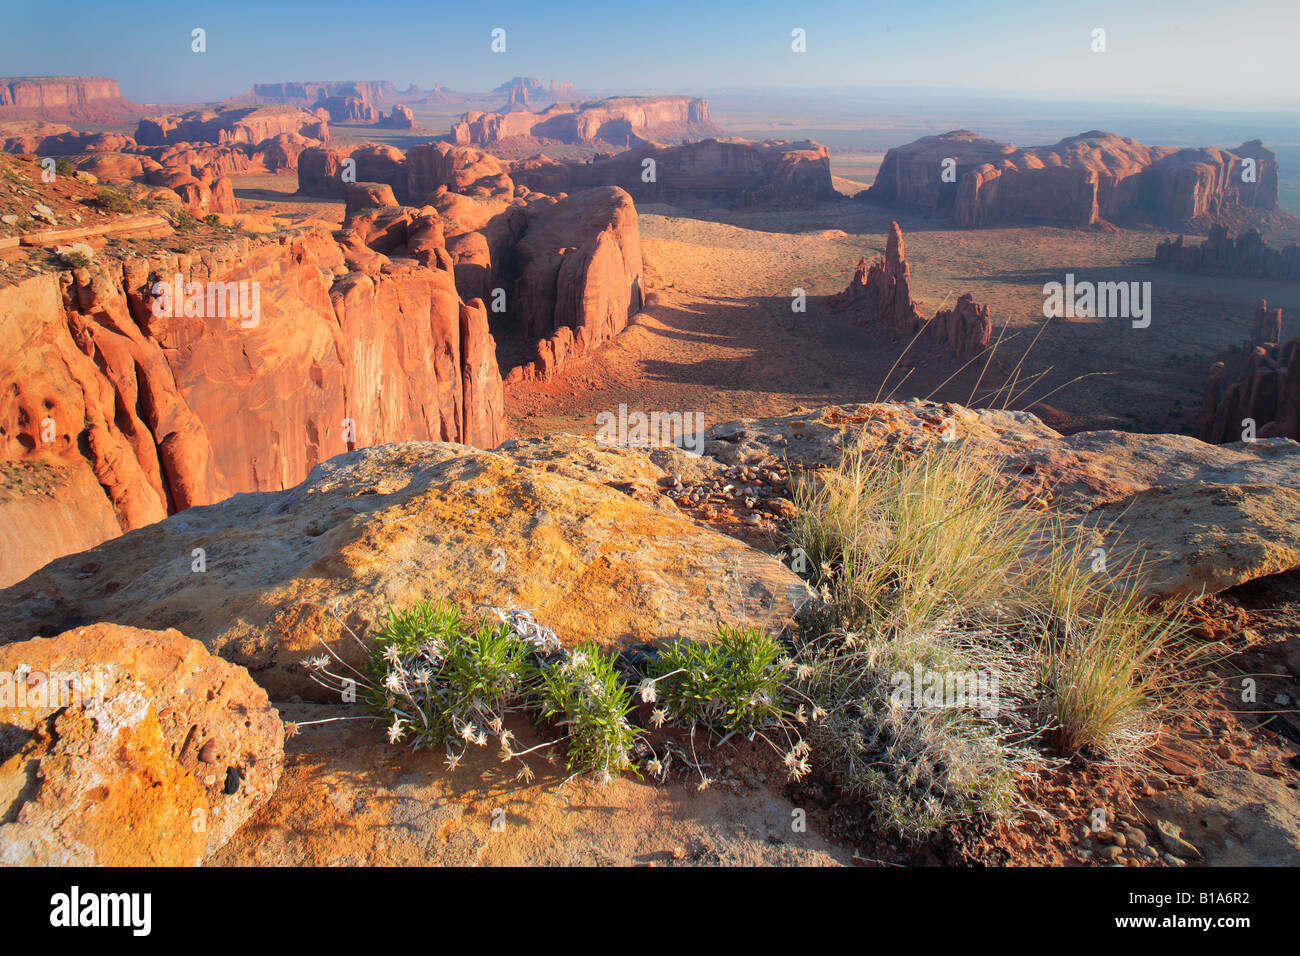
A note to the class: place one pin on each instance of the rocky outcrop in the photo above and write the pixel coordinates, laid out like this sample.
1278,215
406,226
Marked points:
1080,181
400,118
619,121
293,350
580,276
349,109
1220,254
320,169
36,138
573,530
231,124
879,294
1255,387
86,99
125,747
1202,517
720,172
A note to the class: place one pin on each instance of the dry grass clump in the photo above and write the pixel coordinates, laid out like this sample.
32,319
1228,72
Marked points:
932,572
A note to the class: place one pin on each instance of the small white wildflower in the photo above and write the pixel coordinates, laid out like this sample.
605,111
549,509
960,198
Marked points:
704,784
658,716
391,654
648,691
396,731
803,672
453,761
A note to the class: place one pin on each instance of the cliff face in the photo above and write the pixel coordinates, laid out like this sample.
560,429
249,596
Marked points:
571,268
1077,182
717,171
624,120
143,415
250,124
85,98
580,275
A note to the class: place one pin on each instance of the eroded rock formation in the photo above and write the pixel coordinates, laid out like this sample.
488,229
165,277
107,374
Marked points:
165,407
723,172
1220,254
619,121
879,294
579,265
1077,182
231,124
1254,391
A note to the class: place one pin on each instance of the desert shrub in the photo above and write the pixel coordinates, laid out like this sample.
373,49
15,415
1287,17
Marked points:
63,167
586,695
932,566
110,200
733,684
184,221
212,219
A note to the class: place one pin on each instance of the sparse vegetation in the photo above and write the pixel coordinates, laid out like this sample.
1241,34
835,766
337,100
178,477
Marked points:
111,200
932,567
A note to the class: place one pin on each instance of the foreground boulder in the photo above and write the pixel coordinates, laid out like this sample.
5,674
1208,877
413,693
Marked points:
579,536
125,747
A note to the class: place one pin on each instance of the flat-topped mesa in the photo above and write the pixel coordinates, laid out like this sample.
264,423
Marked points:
138,397
720,172
90,99
621,121
1079,181
310,94
1220,254
879,294
1254,391
232,124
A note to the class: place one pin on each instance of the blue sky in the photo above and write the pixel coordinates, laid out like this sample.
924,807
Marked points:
1240,53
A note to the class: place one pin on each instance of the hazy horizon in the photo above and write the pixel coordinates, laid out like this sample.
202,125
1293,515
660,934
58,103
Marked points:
1162,53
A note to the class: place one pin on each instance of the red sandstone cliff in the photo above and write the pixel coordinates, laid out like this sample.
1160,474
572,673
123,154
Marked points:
619,121
87,99
1077,182
139,415
717,171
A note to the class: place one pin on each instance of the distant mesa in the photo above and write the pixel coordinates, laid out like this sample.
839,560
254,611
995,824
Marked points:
231,124
719,172
1256,384
1220,254
83,99
879,296
1083,180
620,121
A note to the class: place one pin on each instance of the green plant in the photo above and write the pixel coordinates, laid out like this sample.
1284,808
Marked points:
63,167
110,200
585,695
212,219
733,684
184,222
